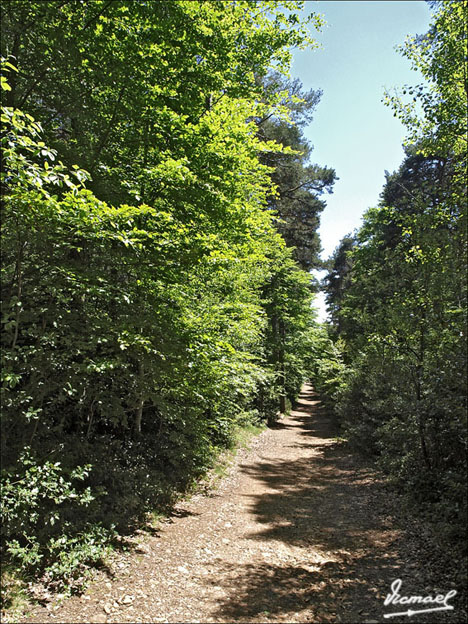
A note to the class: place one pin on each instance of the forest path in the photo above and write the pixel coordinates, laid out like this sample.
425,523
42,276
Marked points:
295,533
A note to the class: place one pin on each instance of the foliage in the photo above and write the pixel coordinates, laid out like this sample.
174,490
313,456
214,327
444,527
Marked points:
37,507
299,185
401,311
149,304
328,371
178,111
436,114
337,281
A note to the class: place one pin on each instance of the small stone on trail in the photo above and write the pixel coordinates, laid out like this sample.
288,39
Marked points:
183,569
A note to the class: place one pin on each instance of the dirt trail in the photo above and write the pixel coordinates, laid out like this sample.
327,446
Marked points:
295,533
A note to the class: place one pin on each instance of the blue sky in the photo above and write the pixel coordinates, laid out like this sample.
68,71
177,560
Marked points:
353,131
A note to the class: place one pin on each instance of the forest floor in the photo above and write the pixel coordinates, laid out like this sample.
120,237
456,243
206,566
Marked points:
299,530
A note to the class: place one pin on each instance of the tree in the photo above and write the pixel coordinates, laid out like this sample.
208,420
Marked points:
403,313
299,186
338,280
135,326
287,301
436,117
188,60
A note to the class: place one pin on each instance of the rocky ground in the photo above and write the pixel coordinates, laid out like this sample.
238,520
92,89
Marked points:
300,530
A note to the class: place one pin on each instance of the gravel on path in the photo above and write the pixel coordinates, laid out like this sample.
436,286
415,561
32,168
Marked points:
298,531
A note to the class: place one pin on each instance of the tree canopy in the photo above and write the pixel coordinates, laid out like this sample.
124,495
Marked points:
397,291
150,303
299,185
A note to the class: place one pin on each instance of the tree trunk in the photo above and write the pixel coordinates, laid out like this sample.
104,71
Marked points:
138,419
421,419
282,368
139,412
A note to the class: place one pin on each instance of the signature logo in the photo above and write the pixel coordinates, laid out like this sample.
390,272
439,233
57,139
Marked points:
395,598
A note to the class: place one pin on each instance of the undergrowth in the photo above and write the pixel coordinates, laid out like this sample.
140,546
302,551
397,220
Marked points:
60,524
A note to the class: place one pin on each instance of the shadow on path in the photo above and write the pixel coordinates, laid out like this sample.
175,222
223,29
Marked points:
332,555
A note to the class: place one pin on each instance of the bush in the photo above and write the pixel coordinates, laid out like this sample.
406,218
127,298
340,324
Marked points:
38,500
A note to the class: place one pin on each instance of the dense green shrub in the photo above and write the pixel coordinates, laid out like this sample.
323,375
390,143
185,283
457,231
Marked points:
148,307
397,292
41,529
327,370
